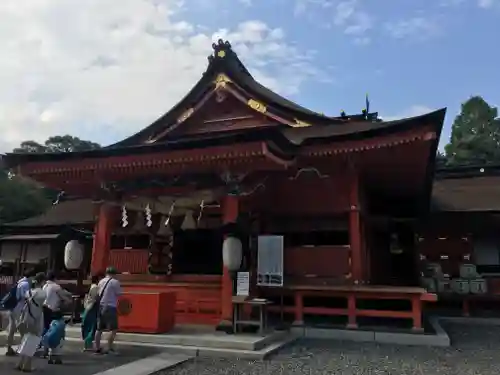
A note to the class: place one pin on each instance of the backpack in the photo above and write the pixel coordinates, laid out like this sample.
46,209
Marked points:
55,334
28,323
9,300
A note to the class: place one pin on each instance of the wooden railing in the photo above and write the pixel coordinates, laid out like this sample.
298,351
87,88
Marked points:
353,294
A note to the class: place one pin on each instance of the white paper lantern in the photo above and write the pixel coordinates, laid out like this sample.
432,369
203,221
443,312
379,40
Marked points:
73,255
232,253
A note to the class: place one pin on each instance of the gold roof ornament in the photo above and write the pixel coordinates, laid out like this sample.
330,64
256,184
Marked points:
300,124
221,80
257,106
221,49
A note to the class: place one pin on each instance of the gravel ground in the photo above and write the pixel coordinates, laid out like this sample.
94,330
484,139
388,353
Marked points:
475,350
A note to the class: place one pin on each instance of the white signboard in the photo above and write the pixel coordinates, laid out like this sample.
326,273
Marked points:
243,284
270,261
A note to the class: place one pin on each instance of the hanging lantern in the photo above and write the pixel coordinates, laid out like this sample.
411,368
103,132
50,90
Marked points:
232,253
188,222
149,221
73,255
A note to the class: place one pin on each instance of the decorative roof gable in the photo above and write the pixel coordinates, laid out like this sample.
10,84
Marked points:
227,76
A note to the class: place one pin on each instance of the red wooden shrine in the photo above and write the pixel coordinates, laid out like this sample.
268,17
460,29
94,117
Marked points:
336,188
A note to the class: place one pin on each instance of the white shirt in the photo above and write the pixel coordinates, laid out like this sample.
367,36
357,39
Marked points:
111,293
55,295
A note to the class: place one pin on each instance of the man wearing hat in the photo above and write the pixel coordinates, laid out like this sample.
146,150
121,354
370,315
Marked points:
109,291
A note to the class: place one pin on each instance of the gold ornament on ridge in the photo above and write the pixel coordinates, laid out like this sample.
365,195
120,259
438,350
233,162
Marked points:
300,124
257,106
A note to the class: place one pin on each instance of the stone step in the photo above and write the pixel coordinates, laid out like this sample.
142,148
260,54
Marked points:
197,350
203,351
212,339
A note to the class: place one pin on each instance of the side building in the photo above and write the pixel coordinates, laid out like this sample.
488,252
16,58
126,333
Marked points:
460,239
38,242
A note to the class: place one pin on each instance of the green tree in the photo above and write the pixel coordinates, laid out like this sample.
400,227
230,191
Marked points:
20,197
475,134
64,143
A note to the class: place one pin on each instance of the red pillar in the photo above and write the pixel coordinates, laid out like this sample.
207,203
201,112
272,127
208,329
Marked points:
355,231
102,238
230,210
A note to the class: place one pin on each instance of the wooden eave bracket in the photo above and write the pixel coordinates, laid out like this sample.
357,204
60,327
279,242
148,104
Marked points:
276,159
334,150
246,151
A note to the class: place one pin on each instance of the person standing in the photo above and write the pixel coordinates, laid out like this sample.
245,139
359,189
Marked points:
109,291
30,323
56,296
90,315
22,288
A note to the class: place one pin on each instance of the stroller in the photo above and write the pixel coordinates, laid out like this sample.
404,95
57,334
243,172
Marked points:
53,339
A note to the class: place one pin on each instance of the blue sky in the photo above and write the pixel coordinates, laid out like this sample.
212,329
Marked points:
103,72
408,55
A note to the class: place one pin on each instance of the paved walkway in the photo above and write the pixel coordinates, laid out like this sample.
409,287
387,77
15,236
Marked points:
475,351
77,363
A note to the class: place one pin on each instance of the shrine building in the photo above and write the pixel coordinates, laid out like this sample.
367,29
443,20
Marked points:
320,204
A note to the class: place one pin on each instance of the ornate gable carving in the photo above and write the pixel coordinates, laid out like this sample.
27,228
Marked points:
222,112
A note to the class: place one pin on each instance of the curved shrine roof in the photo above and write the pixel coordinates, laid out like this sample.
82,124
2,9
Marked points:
283,142
225,71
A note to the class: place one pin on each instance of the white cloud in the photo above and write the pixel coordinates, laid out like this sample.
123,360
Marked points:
485,3
418,27
346,15
301,6
102,72
414,110
352,20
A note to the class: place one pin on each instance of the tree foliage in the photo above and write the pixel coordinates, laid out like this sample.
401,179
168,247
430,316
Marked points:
21,198
475,134
64,143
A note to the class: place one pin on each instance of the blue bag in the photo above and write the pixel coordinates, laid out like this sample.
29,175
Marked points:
55,334
9,300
